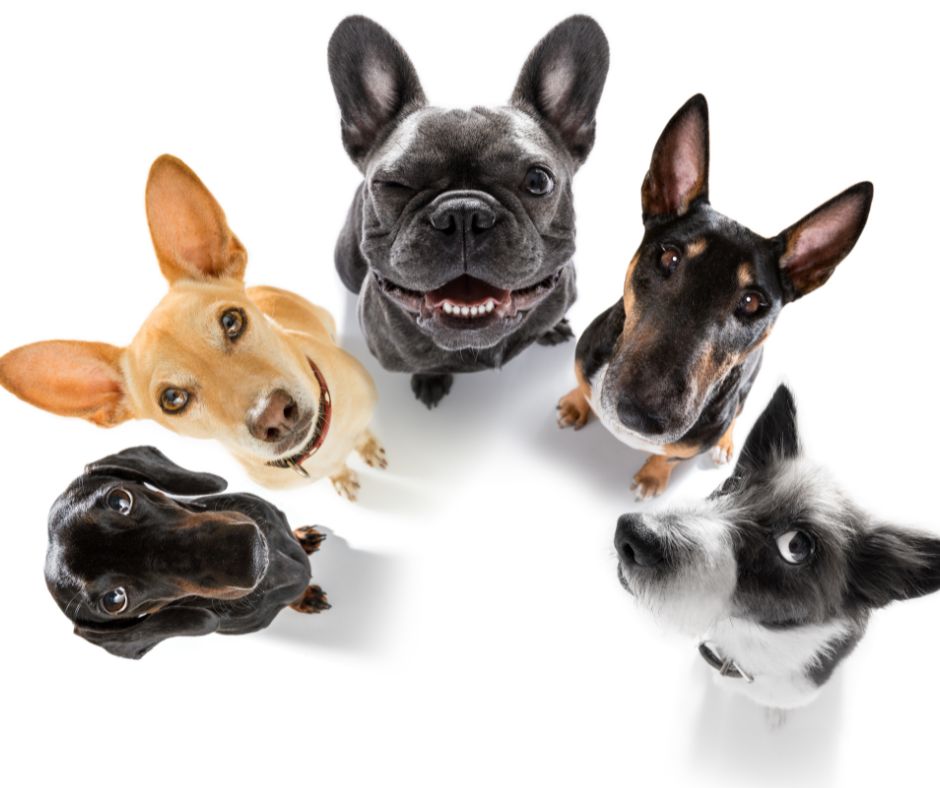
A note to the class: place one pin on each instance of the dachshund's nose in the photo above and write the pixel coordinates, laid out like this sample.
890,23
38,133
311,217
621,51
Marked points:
636,544
277,418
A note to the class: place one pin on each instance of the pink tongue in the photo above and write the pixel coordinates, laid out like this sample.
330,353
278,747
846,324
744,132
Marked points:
467,291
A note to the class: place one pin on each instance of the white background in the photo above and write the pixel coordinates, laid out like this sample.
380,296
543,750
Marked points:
478,634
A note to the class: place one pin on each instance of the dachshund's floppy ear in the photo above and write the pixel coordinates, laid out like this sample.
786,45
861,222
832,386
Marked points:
147,464
136,640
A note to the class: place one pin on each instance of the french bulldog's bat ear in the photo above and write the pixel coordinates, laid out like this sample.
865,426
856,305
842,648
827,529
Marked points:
188,227
82,379
773,437
562,81
890,564
147,464
134,641
815,245
374,82
678,173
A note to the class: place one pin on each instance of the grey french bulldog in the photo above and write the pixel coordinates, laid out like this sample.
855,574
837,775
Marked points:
460,237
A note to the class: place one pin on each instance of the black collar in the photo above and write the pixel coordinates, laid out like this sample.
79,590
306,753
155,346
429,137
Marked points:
726,666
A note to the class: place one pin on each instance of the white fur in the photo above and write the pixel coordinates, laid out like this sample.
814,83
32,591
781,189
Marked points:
609,418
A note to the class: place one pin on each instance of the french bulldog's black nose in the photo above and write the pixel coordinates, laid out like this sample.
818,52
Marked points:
639,417
463,214
637,544
276,420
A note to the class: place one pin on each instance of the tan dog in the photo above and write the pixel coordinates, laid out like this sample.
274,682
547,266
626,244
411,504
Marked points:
256,368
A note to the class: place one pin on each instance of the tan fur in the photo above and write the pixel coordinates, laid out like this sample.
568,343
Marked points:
574,409
181,345
653,477
695,248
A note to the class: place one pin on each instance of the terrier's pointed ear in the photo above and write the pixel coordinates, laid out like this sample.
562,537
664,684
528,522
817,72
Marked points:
83,379
891,564
815,245
678,173
188,227
773,437
563,79
374,82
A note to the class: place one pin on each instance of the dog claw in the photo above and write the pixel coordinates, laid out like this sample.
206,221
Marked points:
721,454
431,389
346,484
313,601
373,454
561,332
573,410
310,538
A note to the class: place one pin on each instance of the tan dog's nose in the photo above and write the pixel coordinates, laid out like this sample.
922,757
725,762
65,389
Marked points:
278,418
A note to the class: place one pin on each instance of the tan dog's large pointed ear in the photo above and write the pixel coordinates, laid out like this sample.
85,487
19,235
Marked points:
82,379
188,227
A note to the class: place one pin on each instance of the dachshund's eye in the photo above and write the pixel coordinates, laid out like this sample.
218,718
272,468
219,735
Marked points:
173,400
114,601
539,181
120,500
669,258
233,322
796,547
752,303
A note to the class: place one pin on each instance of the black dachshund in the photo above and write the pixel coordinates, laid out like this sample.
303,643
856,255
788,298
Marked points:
131,566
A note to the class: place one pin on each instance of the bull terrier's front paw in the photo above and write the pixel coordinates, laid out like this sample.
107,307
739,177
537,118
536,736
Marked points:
573,410
653,478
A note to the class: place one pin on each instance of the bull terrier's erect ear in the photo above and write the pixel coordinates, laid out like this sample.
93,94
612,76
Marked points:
188,227
678,173
562,81
81,379
374,82
816,244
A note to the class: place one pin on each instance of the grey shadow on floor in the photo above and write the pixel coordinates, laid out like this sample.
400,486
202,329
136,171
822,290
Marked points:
360,586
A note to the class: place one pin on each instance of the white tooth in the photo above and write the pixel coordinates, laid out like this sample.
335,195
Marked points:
448,308
473,311
464,310
490,306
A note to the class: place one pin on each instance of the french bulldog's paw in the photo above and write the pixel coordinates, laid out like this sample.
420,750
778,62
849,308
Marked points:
313,601
431,389
372,453
560,333
346,483
721,454
309,537
573,410
653,478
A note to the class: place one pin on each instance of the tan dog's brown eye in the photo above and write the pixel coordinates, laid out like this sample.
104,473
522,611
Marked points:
121,501
233,323
669,258
114,602
173,400
751,304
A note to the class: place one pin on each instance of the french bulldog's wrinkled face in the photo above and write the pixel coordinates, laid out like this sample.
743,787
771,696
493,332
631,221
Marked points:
703,292
465,218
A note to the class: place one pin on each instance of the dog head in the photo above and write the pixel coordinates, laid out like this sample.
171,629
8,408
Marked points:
124,559
703,292
778,567
464,218
206,362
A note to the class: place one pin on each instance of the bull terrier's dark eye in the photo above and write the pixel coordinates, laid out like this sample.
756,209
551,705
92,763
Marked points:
114,602
233,323
121,501
752,303
796,547
538,181
669,258
173,400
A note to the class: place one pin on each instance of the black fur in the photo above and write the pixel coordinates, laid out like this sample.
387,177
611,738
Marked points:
444,210
683,360
166,548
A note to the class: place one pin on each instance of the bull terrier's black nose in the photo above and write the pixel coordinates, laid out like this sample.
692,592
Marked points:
461,215
639,417
276,420
637,544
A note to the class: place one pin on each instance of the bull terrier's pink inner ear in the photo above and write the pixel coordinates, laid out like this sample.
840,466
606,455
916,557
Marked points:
678,173
816,244
190,235
82,379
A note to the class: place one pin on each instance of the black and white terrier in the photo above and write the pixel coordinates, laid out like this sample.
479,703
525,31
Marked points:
777,571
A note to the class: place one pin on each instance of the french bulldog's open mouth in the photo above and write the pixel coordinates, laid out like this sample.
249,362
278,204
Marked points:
468,302
324,416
